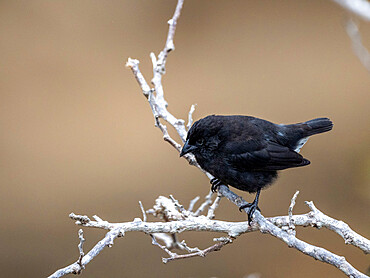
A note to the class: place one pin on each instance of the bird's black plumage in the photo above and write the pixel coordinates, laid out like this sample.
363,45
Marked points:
246,152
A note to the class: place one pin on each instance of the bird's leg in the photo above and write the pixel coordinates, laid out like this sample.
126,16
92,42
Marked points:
252,206
215,184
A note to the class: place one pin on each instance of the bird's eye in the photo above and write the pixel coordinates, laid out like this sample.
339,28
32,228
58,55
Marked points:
200,141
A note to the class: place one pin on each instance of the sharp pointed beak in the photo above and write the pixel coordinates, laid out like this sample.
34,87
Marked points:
187,149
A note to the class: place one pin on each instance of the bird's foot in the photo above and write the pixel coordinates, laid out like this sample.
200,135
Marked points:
252,208
215,184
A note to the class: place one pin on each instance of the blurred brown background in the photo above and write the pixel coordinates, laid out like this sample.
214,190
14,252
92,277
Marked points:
78,136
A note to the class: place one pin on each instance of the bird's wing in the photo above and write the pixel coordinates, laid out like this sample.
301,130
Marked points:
268,156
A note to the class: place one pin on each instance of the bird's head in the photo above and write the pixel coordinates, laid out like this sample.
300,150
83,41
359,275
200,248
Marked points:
202,136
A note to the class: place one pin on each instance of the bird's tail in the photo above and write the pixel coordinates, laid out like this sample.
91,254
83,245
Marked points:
317,126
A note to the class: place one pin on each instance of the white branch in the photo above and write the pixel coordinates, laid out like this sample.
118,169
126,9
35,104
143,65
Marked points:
200,253
214,206
80,248
143,211
177,219
262,224
350,237
362,9
357,7
321,254
77,267
184,221
360,50
192,203
157,102
207,202
190,116
291,227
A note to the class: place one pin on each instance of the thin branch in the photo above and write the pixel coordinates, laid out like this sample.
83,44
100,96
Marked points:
79,218
143,211
192,203
77,267
184,246
192,251
357,7
360,50
133,64
178,205
190,116
200,253
165,238
214,206
164,248
97,218
207,202
166,136
80,248
291,229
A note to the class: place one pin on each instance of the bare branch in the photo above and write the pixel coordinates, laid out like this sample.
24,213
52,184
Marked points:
190,117
178,206
192,203
79,265
159,66
184,246
97,218
80,248
318,220
360,8
341,228
291,229
169,241
143,211
214,206
207,202
192,251
164,248
200,253
166,208
165,238
357,7
265,226
360,50
177,219
133,64
79,218
260,222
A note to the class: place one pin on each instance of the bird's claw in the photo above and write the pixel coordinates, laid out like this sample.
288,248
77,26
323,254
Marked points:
252,208
215,184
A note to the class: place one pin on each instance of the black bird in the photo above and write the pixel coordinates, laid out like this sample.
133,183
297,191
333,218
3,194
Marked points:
246,152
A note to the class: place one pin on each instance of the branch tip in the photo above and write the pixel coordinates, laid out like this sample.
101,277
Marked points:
143,211
132,63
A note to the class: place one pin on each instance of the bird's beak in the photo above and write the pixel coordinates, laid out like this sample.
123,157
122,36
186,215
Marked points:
187,148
